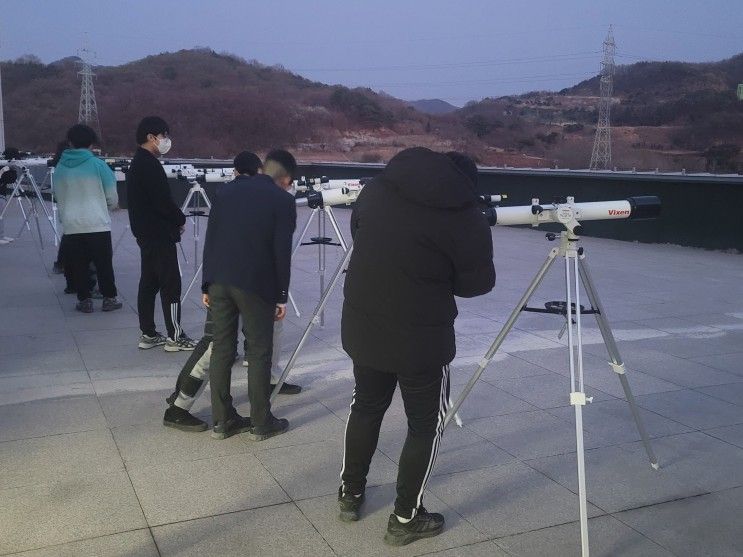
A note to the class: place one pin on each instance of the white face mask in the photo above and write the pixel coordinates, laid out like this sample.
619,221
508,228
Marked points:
163,145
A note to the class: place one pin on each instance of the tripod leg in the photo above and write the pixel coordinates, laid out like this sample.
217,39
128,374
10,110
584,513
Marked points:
193,281
294,305
38,226
616,363
304,232
315,320
37,192
536,281
26,217
336,228
577,395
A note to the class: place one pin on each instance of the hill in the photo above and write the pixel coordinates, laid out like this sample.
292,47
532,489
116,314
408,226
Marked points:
666,115
433,106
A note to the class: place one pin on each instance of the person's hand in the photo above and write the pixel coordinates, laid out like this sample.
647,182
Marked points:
280,312
205,299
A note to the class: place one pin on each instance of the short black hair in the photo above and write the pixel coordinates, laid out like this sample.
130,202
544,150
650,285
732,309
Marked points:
465,165
247,163
151,125
81,136
285,159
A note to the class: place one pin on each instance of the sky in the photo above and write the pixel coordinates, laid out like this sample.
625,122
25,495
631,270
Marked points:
453,50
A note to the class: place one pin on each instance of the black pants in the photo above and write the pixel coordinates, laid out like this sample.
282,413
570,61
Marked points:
62,260
227,305
80,250
159,273
426,399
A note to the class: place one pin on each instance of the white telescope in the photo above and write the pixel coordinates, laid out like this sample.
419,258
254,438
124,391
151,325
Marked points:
331,197
570,213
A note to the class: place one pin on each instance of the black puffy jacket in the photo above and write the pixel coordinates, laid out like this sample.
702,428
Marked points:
419,240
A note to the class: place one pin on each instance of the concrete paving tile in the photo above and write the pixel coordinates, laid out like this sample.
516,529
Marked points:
505,366
461,449
137,543
485,400
732,362
127,336
44,460
731,434
312,470
30,321
545,391
692,408
132,408
365,537
152,443
531,434
732,393
482,549
607,537
700,344
109,357
41,362
15,389
40,418
704,525
68,510
40,341
277,531
620,477
185,490
640,383
508,499
610,422
679,371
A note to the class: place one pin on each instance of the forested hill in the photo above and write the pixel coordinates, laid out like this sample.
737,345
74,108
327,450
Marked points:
666,115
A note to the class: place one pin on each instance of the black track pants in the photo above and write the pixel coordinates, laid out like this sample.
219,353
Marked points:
159,274
426,399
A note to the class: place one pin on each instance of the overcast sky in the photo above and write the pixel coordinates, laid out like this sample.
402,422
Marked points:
453,50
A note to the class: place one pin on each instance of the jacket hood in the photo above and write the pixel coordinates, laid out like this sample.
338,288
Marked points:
428,178
75,157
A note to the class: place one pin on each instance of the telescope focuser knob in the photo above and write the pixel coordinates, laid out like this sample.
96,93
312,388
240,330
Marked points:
550,236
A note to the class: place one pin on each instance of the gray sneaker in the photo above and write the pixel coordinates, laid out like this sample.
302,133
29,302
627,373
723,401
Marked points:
146,341
85,306
183,343
111,304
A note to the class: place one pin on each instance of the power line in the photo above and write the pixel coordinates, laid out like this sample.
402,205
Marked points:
536,78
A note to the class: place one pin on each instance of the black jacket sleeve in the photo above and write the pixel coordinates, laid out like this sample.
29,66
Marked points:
209,247
162,200
284,224
474,272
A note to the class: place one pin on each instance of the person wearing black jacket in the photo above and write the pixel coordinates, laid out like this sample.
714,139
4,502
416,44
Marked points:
419,241
247,261
157,223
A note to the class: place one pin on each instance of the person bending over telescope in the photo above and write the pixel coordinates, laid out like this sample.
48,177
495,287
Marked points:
420,239
195,373
247,264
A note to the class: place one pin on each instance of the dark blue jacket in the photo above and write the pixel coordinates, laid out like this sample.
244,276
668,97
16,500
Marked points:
249,239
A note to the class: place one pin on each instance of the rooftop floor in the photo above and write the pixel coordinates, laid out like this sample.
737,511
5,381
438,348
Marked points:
88,468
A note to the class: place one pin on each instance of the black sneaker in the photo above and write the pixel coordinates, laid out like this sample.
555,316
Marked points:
350,505
179,418
423,525
111,304
275,426
146,341
288,389
85,306
183,343
236,424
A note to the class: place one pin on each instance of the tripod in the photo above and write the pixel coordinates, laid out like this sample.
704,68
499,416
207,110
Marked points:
576,271
196,193
21,191
323,213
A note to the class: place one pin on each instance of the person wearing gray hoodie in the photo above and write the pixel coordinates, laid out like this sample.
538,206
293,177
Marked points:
85,189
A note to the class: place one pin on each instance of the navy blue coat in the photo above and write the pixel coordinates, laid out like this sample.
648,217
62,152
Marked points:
249,238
